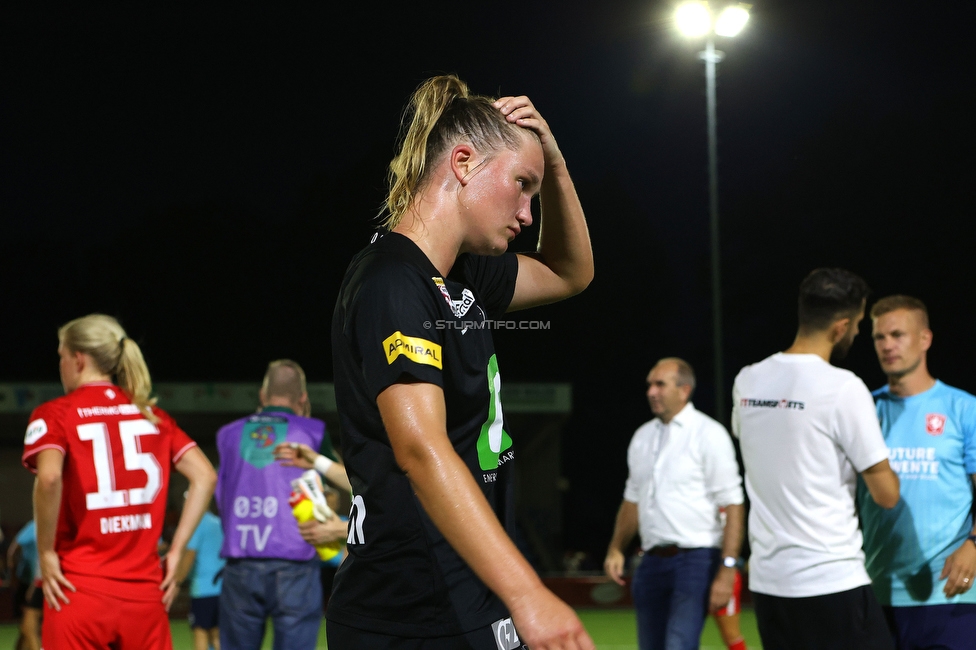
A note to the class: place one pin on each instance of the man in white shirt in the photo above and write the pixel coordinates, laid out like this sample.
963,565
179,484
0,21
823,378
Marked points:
806,430
682,470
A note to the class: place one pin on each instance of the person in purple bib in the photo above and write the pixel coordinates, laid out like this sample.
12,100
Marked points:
271,570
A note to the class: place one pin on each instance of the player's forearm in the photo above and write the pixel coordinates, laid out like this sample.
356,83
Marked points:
47,498
185,565
564,240
336,476
625,527
200,473
734,530
882,484
456,505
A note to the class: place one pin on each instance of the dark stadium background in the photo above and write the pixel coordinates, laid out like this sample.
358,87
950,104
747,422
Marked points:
206,173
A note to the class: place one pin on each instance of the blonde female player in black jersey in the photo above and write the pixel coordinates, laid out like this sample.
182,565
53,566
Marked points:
431,561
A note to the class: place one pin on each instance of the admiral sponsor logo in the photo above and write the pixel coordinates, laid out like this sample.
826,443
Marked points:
935,424
35,431
414,348
914,462
125,523
101,411
747,402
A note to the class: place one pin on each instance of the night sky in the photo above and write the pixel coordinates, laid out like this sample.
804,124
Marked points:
206,174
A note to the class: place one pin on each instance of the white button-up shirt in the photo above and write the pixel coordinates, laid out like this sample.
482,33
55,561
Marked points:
681,473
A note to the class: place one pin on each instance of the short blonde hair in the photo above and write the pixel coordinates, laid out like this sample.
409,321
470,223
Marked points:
103,339
284,378
891,303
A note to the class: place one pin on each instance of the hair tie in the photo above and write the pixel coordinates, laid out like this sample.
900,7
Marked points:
121,343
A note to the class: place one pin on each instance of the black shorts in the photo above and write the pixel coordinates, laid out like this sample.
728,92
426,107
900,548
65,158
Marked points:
36,600
847,620
497,636
20,597
204,612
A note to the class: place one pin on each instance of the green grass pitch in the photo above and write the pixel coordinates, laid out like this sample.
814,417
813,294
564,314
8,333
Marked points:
611,629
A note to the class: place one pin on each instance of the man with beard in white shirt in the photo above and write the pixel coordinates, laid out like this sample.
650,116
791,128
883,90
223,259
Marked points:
806,430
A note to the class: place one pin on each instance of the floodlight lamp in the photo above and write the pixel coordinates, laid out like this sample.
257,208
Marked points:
693,19
732,20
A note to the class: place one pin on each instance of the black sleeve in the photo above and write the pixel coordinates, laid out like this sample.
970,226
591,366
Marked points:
492,278
393,316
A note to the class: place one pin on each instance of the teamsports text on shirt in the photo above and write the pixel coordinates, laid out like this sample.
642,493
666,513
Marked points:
772,403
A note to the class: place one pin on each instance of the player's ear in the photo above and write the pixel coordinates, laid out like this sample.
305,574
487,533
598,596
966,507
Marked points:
262,398
926,339
462,162
839,329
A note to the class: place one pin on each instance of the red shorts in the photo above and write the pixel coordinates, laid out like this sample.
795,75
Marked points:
95,621
735,604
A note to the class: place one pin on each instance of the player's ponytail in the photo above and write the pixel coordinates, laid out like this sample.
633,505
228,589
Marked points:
441,113
103,339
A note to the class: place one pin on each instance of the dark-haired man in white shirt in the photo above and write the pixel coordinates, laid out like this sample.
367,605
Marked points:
806,430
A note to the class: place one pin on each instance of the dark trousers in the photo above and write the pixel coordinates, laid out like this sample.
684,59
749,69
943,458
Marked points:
847,620
671,598
933,627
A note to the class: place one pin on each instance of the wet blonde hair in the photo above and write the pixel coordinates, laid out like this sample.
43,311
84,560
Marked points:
442,112
103,339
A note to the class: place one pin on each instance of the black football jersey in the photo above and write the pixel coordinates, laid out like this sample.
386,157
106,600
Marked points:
398,319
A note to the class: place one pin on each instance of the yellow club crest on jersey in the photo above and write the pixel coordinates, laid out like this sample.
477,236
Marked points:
414,348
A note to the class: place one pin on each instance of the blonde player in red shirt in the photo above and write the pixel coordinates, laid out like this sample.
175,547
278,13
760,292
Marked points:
102,454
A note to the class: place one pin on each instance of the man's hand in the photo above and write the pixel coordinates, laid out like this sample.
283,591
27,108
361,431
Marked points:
318,533
295,454
52,580
722,588
546,623
613,566
960,568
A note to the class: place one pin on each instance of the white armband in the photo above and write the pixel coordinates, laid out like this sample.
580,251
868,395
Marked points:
322,464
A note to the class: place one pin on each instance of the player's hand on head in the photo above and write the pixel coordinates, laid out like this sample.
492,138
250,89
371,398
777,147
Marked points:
521,111
53,582
544,622
959,570
295,454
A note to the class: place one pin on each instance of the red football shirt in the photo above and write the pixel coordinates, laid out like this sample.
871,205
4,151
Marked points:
115,481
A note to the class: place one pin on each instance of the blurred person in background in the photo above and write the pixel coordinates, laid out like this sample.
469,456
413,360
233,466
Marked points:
806,430
682,471
921,555
28,597
202,565
102,456
271,570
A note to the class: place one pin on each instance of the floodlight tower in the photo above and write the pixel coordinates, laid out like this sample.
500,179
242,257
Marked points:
701,20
